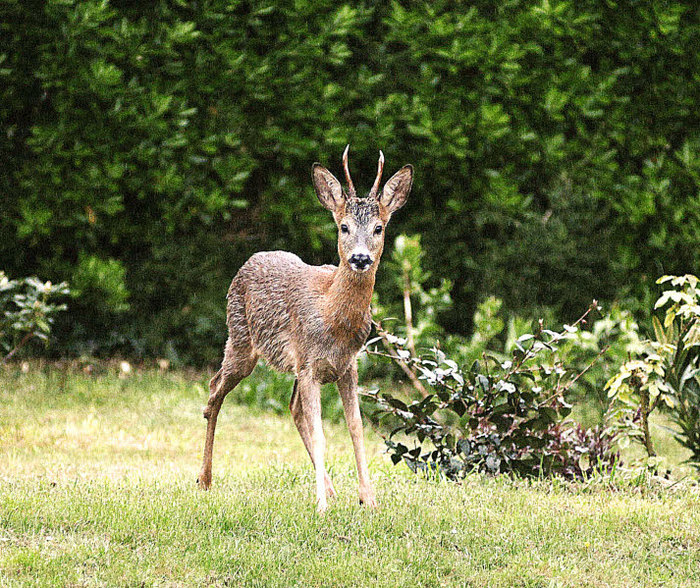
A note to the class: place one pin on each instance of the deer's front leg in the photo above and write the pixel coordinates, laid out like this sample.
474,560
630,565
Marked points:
310,397
347,387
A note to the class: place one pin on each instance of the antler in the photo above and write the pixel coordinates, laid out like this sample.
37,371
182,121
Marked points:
351,186
380,169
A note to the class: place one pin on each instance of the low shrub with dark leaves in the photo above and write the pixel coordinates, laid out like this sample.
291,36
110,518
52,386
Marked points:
582,452
495,416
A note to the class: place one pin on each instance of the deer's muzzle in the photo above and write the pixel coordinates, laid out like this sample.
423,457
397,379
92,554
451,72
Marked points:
360,261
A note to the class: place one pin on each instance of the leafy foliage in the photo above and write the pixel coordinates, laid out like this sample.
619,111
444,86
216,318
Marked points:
414,313
556,149
495,416
615,335
421,304
667,370
28,307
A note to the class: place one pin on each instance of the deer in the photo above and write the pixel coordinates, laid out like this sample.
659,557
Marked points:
311,321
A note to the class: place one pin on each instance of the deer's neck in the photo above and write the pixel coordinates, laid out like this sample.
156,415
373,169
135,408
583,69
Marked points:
348,298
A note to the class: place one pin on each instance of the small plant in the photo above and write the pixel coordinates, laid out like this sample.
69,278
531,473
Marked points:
666,372
419,309
27,310
616,334
419,305
488,325
495,416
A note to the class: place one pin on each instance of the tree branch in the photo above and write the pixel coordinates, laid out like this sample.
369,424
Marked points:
402,364
19,346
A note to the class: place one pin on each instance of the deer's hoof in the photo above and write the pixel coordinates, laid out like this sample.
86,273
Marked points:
204,481
330,491
369,500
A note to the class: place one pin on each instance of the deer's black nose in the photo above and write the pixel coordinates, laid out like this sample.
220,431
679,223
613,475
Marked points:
360,261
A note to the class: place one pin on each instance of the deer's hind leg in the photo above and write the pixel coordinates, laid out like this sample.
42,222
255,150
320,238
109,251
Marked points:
239,361
309,399
302,423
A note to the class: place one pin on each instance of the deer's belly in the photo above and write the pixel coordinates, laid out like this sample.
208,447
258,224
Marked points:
308,346
277,353
327,366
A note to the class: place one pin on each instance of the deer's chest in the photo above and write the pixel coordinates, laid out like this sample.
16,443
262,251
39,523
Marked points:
336,348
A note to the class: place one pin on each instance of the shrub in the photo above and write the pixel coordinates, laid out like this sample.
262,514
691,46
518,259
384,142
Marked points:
665,372
495,416
418,304
100,282
267,389
27,311
550,140
415,317
416,314
616,334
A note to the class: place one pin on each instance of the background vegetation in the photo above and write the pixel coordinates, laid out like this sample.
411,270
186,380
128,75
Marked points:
149,148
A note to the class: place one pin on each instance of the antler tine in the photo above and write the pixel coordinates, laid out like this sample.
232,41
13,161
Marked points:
380,168
351,186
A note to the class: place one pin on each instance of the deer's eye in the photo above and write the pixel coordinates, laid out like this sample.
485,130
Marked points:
344,229
378,230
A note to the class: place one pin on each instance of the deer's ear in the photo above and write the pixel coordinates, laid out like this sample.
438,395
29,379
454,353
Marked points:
328,188
397,189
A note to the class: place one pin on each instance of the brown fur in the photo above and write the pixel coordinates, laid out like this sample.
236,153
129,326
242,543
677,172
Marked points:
310,321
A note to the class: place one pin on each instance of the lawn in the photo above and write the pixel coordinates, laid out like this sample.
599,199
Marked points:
97,488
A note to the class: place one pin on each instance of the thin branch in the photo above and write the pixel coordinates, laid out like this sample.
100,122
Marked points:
644,397
589,366
402,364
22,343
408,311
655,403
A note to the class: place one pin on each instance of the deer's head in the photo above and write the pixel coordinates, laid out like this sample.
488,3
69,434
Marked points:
361,221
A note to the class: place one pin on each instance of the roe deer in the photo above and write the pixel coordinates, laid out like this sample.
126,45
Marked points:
311,320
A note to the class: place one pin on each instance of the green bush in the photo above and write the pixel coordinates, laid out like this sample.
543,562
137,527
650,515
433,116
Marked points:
612,337
600,348
97,281
267,389
556,149
495,416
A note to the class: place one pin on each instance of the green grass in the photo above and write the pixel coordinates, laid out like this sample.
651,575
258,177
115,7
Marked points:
97,488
